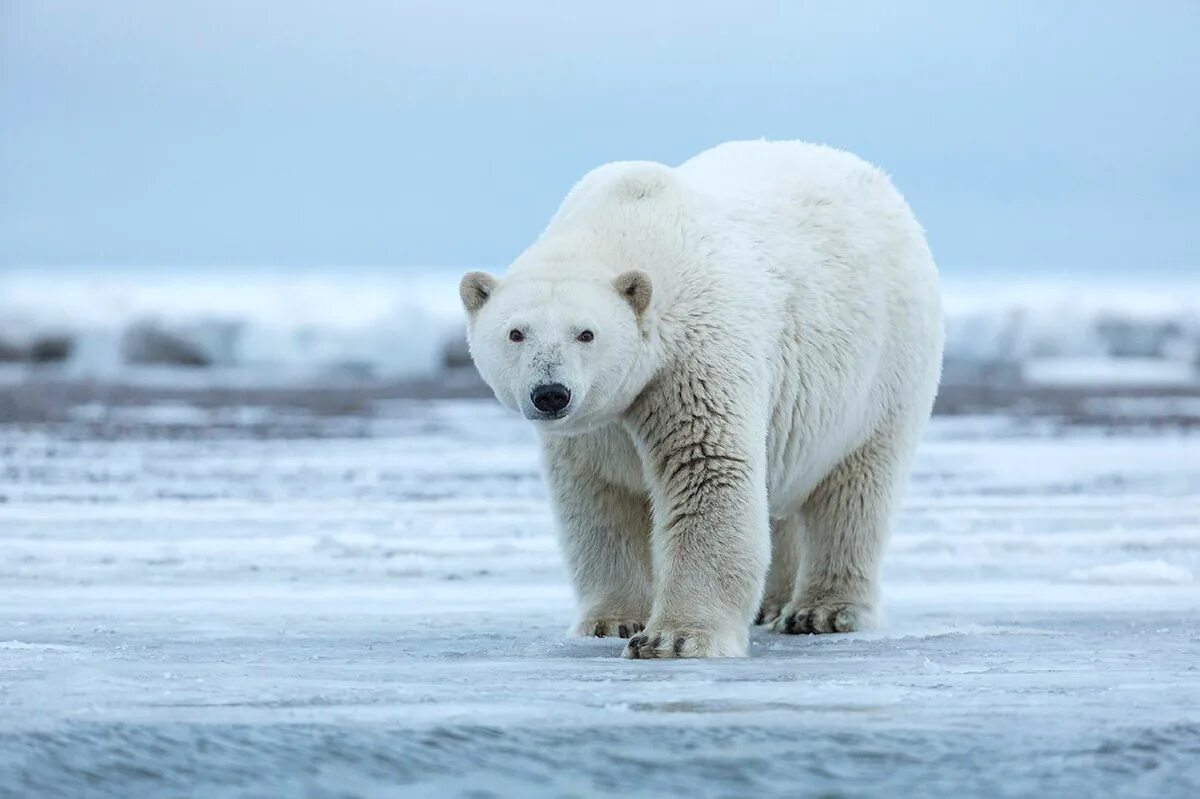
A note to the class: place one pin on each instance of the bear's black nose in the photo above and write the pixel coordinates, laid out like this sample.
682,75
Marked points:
551,397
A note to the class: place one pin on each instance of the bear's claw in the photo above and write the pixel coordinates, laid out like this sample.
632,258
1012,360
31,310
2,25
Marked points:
769,611
609,628
680,643
832,617
641,647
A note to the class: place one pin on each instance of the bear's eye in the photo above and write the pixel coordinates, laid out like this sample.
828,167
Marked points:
585,336
516,335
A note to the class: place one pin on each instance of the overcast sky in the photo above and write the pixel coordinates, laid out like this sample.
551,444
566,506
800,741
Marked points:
1039,136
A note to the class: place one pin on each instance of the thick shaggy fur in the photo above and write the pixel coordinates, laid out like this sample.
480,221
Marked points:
767,345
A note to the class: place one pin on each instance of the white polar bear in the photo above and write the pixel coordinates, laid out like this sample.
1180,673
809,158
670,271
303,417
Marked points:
729,364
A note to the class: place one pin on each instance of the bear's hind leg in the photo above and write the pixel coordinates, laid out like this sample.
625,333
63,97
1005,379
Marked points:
846,519
786,535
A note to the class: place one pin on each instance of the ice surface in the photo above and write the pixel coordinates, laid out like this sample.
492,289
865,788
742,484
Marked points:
1103,371
376,607
1134,572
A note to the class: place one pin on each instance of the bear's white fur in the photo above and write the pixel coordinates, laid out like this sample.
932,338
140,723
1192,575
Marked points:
766,340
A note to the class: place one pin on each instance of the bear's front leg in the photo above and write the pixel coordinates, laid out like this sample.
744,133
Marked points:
604,529
703,448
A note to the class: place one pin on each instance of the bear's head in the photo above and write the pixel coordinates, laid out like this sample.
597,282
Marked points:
560,350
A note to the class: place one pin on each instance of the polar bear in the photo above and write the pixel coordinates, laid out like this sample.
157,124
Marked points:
729,364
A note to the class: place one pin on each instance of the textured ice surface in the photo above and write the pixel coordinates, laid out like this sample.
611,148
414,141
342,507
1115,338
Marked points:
376,608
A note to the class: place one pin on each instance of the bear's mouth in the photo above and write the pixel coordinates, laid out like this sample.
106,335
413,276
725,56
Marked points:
535,415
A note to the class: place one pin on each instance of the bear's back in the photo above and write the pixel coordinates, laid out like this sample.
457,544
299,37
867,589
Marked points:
789,171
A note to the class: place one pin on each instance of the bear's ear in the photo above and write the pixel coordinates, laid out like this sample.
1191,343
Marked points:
475,289
634,286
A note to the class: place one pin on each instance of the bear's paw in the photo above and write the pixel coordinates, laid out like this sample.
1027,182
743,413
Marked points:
770,609
608,627
667,642
803,617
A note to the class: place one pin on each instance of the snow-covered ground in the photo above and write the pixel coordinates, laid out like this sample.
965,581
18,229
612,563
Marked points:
375,606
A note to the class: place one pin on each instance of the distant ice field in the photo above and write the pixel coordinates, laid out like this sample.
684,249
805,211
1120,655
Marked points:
272,327
375,606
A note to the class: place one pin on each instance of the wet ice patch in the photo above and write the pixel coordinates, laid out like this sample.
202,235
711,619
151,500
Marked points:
26,646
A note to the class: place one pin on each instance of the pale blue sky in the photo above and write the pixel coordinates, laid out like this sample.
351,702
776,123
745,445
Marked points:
1039,136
